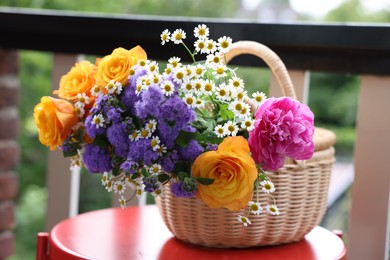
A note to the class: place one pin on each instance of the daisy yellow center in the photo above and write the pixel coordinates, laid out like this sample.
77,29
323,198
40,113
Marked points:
131,72
220,71
155,80
248,123
142,63
244,220
153,143
198,71
151,126
208,87
259,98
231,128
168,70
82,99
158,192
178,37
222,92
77,110
167,88
267,186
188,86
96,120
189,100
139,192
144,133
110,86
272,209
164,37
236,84
240,95
224,44
189,72
119,187
202,32
109,183
104,178
238,107
180,75
210,46
134,135
96,89
216,59
155,169
198,86
152,68
220,131
138,88
254,207
201,45
243,110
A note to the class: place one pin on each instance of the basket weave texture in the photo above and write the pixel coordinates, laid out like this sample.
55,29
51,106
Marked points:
301,190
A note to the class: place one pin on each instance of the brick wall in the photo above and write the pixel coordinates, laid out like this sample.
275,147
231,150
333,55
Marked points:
9,150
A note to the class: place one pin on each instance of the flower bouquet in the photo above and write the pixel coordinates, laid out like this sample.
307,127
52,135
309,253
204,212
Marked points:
226,167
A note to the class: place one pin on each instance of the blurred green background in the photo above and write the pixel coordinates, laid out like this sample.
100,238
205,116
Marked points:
333,97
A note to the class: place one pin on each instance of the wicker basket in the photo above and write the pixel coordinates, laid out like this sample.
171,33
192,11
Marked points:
301,190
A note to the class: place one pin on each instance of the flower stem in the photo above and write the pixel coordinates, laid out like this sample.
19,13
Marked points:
189,51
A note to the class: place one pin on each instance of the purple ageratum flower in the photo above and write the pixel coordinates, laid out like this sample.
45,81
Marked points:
185,189
168,161
114,114
174,117
151,183
97,159
128,166
193,150
141,151
284,127
129,97
212,147
117,135
149,104
91,129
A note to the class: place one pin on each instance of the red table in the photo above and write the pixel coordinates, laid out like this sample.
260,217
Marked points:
139,233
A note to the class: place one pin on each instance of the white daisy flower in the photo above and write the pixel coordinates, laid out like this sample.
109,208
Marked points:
213,58
96,91
190,71
231,128
240,93
154,169
80,111
199,103
155,78
122,202
109,185
259,97
236,107
105,178
255,207
134,136
139,191
188,86
167,88
245,111
244,220
174,62
165,36
220,131
248,124
189,99
211,46
198,85
222,92
224,44
157,192
155,143
219,70
236,83
272,209
145,133
267,186
151,125
98,120
179,75
178,36
199,70
162,150
119,187
82,100
153,67
201,31
200,46
111,86
208,86
143,63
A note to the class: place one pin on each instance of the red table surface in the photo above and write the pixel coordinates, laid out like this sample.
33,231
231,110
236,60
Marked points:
139,233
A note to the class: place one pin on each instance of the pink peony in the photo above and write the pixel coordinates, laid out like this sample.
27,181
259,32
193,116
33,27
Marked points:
283,127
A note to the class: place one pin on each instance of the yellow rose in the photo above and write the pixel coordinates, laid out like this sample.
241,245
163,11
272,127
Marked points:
80,79
234,171
116,66
54,119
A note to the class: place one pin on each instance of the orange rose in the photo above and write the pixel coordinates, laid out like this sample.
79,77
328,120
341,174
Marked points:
116,66
80,79
54,119
234,171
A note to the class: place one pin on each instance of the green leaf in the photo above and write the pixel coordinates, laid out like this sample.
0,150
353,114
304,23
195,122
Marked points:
101,141
205,181
184,138
263,176
181,175
69,153
224,112
163,178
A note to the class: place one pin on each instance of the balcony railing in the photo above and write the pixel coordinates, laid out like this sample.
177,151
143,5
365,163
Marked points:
362,49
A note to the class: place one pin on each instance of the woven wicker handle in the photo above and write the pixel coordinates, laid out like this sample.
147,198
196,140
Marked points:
270,58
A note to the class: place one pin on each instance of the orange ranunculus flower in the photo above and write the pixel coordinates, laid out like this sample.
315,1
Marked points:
116,66
80,79
54,119
234,171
